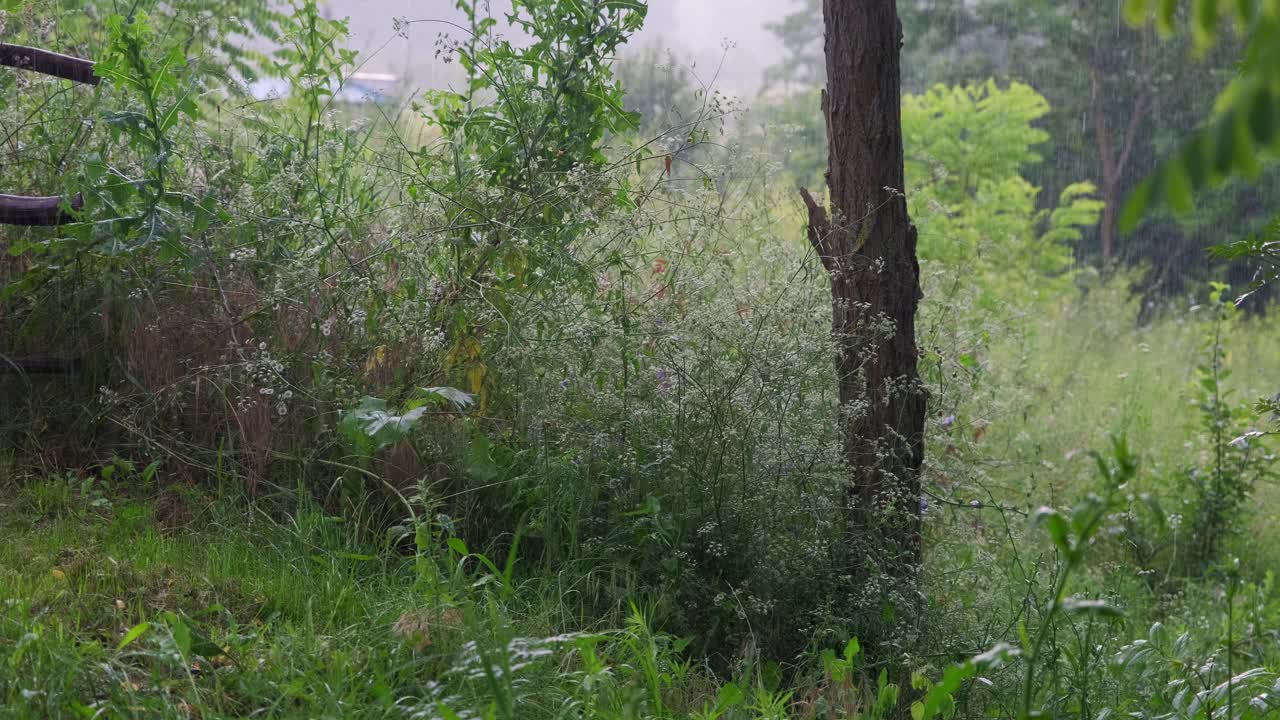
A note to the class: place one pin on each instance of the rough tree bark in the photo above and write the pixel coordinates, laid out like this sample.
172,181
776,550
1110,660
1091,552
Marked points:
868,247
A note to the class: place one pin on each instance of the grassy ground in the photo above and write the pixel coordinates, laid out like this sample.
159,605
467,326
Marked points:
1087,372
296,626
120,604
123,598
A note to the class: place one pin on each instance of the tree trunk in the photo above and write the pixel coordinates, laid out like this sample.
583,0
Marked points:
1111,166
1110,198
868,248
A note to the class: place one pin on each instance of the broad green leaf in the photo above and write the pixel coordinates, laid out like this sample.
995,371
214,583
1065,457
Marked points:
1263,121
134,633
1136,205
1177,187
453,396
1136,11
458,546
1056,525
1165,16
851,650
730,695
1205,27
181,633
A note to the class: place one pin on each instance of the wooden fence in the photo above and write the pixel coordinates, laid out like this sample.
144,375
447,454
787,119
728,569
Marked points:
42,210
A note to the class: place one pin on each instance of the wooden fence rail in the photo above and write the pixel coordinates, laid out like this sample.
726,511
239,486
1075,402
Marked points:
39,365
24,210
49,63
21,209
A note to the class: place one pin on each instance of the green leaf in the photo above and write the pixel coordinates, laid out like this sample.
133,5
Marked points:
1177,187
1197,161
370,426
446,712
1136,11
1136,205
1244,11
181,633
354,556
578,9
1262,116
831,666
1158,635
479,462
458,546
1165,16
939,700
134,633
851,650
995,657
1056,525
633,5
1206,22
730,695
453,396
182,106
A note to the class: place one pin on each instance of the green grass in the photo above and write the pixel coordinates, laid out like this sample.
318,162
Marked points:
118,601
1083,371
300,625
110,612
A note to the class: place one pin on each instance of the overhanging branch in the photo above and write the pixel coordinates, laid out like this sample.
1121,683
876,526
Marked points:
819,229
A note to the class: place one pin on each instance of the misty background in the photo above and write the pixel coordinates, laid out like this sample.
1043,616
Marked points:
695,30
1119,101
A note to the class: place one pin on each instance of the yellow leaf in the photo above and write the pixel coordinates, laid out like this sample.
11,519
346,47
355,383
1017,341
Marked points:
377,360
473,348
476,377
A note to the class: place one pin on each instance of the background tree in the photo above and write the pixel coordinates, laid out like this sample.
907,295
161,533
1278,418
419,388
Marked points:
659,88
1119,101
800,33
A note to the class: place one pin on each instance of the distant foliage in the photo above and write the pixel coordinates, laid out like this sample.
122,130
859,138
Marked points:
1263,248
660,89
967,151
560,361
